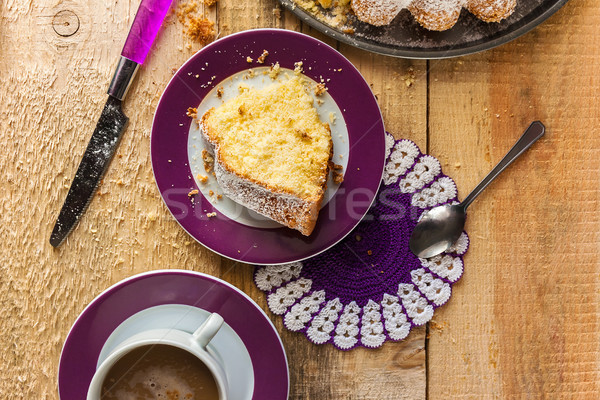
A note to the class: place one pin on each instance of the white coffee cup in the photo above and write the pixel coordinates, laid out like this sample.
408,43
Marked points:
195,344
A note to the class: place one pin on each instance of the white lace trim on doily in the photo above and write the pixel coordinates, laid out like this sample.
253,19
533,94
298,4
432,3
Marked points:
389,143
402,158
461,245
285,296
346,332
302,312
371,332
444,266
439,192
396,323
274,275
416,306
436,290
324,320
424,171
322,325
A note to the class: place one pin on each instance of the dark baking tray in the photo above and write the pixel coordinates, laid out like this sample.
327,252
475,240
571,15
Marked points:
404,37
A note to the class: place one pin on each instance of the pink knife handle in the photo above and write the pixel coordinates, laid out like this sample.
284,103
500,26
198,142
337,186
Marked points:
145,27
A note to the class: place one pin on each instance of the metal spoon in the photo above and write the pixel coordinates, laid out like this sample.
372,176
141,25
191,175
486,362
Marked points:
440,227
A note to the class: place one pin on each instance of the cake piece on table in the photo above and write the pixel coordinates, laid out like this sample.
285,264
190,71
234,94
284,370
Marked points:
272,152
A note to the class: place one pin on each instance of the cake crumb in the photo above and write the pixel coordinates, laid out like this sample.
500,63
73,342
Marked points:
192,112
243,88
202,178
208,161
437,326
274,71
220,92
193,192
298,67
338,177
320,89
211,193
370,252
332,118
409,77
186,9
261,59
337,173
201,30
211,214
249,60
219,196
197,28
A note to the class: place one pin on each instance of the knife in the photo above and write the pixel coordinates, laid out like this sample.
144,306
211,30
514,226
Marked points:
112,122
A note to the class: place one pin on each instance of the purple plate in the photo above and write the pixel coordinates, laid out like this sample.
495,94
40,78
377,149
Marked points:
106,312
223,59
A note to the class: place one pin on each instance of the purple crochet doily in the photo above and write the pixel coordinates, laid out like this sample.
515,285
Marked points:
370,288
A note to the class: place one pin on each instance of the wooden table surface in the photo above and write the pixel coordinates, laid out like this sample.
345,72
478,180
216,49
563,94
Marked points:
524,320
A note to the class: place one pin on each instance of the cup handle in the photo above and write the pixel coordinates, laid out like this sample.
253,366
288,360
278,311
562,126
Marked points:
208,329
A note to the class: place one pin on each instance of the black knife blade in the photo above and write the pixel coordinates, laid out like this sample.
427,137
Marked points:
95,161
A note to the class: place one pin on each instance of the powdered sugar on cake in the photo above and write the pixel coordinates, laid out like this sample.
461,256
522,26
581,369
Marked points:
380,12
435,15
253,196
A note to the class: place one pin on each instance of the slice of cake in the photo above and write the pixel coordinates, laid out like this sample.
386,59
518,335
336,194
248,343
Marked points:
271,152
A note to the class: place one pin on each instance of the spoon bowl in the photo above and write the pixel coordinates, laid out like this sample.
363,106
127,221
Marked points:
440,227
438,230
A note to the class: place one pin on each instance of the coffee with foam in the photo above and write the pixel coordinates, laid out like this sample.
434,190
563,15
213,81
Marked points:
160,372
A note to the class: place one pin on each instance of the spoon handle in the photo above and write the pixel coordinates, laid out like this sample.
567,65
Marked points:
534,132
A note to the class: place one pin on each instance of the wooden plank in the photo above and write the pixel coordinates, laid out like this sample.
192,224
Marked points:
401,89
523,321
52,93
322,372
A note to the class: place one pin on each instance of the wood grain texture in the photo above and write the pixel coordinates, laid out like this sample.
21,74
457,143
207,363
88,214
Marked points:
524,320
53,88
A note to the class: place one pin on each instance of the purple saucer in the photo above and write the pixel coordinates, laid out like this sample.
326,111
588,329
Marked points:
106,312
224,58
